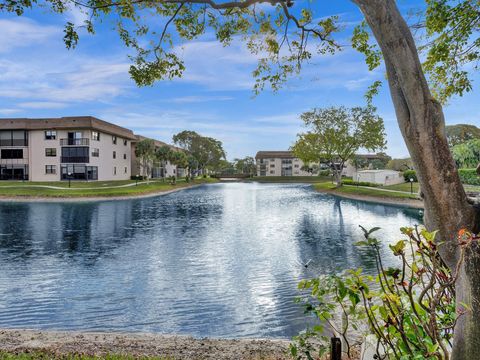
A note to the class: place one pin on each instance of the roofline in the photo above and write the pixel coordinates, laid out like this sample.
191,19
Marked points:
68,122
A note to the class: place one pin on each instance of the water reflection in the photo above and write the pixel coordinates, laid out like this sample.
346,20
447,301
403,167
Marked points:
219,260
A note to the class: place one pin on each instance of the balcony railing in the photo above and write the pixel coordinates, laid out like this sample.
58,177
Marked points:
74,142
75,159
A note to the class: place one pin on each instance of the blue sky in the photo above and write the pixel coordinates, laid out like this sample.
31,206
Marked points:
40,78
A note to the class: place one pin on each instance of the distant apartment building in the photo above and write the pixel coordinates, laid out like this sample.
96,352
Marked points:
156,169
77,148
279,163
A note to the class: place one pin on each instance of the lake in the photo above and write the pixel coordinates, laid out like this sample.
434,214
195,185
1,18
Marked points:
219,260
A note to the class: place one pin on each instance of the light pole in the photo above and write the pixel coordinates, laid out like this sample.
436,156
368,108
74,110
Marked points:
136,178
69,178
358,179
411,185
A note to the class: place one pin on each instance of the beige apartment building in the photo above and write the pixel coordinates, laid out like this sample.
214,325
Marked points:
279,163
52,149
156,168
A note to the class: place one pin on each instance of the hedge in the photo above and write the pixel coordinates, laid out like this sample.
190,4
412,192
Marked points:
469,176
359,183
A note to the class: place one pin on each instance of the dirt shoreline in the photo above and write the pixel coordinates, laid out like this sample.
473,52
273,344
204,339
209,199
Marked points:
141,345
412,203
92,198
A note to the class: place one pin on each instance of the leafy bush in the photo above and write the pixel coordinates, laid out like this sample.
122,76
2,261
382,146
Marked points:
324,173
410,174
139,177
469,176
359,183
410,309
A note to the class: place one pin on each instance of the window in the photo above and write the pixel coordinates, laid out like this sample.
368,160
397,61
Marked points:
12,153
50,134
296,165
79,172
126,170
50,152
114,154
124,156
13,138
125,142
114,139
95,135
75,154
95,152
272,171
50,169
272,165
114,170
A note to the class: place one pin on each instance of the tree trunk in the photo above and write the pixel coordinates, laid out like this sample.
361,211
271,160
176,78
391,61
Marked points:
421,121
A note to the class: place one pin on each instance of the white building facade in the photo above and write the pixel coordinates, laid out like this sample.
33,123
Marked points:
54,149
380,177
279,163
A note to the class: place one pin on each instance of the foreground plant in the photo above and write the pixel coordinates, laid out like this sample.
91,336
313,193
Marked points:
410,309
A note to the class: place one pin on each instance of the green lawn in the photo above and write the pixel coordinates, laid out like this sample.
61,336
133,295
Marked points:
76,184
349,189
26,190
406,187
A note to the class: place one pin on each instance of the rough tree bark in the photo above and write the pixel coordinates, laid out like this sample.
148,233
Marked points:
421,121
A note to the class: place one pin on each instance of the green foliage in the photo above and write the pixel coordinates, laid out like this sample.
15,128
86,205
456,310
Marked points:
460,133
324,173
358,183
245,166
410,174
206,152
453,45
145,153
410,308
467,154
400,164
380,161
469,176
335,134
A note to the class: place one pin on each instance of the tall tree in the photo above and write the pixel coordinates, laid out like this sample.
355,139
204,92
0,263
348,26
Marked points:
281,51
206,151
163,154
460,133
336,134
467,154
145,153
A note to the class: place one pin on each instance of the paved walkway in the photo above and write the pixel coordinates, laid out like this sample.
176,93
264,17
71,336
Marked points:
382,189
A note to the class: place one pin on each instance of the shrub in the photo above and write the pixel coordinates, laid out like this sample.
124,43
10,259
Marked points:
140,177
469,176
359,183
410,174
324,173
410,309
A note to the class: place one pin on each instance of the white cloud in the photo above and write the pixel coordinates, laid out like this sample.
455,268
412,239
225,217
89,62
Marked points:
23,32
42,105
198,99
9,111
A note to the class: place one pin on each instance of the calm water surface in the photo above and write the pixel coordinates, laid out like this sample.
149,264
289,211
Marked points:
219,260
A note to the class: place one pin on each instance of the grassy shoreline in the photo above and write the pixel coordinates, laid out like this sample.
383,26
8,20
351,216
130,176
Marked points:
89,190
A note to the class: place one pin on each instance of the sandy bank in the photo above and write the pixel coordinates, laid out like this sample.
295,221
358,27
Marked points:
141,344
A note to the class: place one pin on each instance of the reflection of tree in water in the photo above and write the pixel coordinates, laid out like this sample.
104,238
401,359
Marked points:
329,242
15,232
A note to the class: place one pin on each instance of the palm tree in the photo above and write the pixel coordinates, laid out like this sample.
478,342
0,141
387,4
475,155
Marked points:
164,154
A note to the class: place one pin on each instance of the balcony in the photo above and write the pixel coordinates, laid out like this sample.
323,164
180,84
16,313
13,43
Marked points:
75,159
75,142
